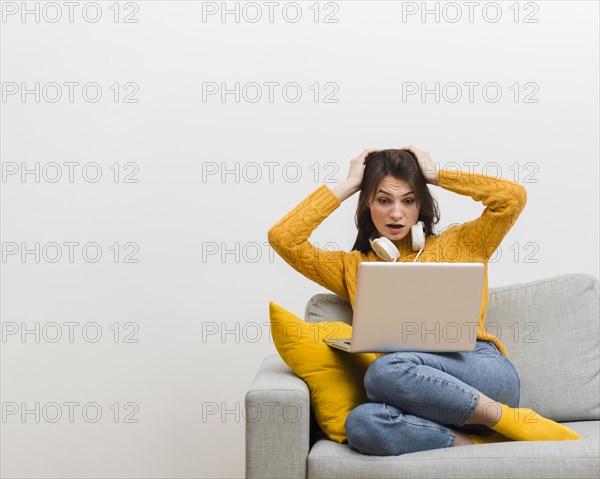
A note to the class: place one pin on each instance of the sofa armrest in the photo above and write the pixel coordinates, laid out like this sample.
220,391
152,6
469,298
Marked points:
277,422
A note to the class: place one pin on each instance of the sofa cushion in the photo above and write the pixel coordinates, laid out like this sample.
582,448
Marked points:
550,328
532,459
327,307
334,377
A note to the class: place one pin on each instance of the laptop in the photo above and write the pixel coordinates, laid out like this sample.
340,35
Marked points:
425,307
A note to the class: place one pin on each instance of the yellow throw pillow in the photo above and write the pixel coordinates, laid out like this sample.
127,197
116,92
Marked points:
334,377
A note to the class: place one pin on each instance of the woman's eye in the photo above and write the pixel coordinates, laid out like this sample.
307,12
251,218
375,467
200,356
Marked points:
410,201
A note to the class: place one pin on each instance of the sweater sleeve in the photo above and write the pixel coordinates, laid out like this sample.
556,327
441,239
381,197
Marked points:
504,200
289,238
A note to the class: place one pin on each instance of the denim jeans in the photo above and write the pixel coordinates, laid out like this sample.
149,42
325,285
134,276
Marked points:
416,397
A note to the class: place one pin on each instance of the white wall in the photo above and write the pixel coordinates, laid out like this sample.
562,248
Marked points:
172,296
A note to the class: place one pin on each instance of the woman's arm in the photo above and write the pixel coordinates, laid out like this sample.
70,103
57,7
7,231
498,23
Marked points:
289,238
503,200
345,189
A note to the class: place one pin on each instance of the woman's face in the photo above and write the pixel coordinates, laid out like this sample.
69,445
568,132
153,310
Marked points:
394,203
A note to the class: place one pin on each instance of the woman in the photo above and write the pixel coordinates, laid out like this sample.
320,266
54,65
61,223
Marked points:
420,401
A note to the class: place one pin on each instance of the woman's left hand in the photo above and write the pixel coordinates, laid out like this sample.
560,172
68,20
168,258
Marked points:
425,163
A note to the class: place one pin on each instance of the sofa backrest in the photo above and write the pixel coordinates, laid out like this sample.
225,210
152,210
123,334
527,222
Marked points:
551,330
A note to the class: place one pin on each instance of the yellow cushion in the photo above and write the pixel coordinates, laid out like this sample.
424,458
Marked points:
334,377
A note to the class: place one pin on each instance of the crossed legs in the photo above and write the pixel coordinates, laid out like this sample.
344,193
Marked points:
423,401
426,401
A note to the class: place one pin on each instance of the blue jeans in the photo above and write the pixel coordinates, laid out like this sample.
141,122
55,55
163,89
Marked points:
415,396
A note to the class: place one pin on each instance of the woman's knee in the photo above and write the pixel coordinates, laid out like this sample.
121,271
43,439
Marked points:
379,429
381,372
377,372
361,427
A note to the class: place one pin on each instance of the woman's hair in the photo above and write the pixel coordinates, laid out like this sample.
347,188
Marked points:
403,165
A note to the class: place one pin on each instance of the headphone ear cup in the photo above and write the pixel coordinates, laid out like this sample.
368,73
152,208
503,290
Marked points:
385,249
418,236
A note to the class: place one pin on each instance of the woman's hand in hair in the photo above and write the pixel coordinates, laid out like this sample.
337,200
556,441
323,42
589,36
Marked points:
425,163
357,168
353,183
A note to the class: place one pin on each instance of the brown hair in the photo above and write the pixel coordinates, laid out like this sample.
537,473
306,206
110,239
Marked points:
403,165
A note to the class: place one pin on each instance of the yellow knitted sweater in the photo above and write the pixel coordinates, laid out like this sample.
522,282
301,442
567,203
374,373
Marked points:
473,241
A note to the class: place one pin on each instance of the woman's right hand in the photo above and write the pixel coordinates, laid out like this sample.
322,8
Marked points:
357,168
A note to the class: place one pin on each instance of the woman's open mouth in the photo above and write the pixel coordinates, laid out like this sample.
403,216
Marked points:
395,228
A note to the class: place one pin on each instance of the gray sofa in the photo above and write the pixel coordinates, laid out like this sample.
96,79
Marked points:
550,328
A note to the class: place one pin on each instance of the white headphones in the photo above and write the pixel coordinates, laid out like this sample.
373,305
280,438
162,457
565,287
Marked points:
386,249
